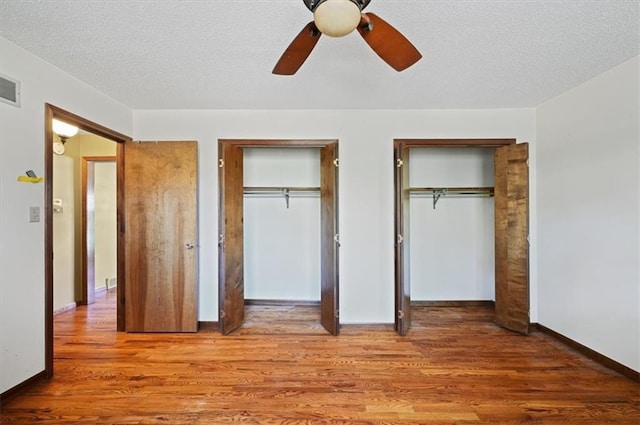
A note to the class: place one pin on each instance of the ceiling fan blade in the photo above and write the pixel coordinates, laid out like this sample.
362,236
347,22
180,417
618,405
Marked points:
298,51
388,42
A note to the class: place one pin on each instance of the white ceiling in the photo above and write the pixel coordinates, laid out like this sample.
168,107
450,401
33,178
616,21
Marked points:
218,54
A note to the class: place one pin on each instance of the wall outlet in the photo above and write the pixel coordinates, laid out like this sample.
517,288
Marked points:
34,214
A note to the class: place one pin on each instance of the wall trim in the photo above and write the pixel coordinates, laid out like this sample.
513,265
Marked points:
22,387
454,143
588,352
64,308
454,303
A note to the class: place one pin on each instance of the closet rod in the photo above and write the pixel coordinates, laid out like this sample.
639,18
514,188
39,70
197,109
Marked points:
278,190
286,192
438,192
486,191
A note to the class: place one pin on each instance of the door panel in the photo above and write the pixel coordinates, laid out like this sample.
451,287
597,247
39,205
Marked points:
160,208
231,239
402,276
511,234
329,303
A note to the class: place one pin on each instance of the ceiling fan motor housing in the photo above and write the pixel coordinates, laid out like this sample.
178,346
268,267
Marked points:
313,4
337,18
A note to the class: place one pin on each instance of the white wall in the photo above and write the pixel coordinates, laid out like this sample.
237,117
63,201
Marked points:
452,246
105,225
282,245
63,233
21,242
366,182
588,214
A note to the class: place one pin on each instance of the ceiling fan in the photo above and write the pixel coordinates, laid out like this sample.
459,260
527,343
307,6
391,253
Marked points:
337,18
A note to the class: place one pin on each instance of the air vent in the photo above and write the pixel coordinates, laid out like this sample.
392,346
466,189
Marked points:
9,90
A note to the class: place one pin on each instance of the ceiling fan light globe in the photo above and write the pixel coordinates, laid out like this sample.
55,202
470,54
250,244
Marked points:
337,18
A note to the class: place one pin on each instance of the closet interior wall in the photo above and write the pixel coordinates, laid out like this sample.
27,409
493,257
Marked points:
452,239
282,224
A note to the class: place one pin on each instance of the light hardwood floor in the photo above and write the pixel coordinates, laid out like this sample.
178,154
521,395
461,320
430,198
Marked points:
454,367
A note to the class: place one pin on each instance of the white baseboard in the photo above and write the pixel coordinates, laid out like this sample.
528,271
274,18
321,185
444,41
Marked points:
64,308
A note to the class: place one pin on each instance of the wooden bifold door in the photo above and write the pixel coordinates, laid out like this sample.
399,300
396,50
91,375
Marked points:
231,233
511,191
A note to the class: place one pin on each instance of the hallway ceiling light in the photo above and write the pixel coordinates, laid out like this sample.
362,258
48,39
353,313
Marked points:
64,130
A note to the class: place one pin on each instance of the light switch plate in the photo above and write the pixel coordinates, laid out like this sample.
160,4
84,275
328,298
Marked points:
34,214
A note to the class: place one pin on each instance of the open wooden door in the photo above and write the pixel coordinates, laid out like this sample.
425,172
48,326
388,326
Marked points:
230,238
329,303
512,234
160,225
402,277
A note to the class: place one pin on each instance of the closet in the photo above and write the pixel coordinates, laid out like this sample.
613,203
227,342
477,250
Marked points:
278,231
461,224
451,213
282,225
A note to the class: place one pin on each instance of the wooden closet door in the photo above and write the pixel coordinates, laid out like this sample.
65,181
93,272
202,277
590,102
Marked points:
329,302
402,265
160,225
511,237
231,238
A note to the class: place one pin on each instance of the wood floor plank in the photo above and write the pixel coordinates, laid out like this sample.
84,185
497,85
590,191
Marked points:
454,367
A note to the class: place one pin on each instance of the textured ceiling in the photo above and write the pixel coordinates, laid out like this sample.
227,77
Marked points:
197,54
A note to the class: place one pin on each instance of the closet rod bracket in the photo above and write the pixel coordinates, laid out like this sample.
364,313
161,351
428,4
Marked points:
437,193
285,192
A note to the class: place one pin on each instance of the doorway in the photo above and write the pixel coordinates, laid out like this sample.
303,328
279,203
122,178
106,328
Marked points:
99,227
53,112
511,196
231,228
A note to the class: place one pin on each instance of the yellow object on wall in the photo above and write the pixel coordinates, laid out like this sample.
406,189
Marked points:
27,179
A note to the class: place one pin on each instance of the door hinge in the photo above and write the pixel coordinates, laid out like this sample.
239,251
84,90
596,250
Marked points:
337,314
336,162
223,314
400,314
527,162
400,239
221,240
336,238
221,163
399,162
